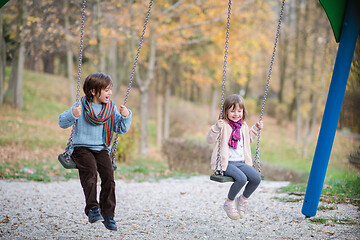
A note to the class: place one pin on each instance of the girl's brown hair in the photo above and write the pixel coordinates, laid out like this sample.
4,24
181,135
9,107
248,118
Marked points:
230,102
96,81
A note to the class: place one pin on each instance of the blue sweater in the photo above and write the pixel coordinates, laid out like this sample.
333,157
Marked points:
88,135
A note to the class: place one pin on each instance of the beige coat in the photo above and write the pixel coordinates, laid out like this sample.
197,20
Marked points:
247,134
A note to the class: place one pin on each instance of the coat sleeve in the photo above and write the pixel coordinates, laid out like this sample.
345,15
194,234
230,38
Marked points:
253,133
67,119
213,134
125,122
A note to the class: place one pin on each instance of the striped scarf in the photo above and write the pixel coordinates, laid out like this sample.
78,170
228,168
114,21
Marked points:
105,117
235,134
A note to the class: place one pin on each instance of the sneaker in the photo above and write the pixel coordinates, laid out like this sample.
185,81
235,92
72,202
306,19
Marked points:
110,223
231,210
94,215
241,206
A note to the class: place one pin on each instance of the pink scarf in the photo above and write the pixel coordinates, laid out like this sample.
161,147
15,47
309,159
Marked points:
235,134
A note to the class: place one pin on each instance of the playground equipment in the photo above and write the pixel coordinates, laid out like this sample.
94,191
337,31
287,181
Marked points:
218,175
65,158
342,16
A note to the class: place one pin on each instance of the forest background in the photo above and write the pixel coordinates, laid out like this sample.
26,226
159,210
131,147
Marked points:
177,87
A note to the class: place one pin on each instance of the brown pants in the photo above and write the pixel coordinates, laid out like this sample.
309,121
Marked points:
89,162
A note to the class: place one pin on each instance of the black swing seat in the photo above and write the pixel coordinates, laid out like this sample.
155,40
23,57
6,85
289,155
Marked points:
221,178
67,163
70,164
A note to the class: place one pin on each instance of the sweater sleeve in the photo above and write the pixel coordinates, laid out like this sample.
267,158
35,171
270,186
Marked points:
212,134
253,133
67,119
125,122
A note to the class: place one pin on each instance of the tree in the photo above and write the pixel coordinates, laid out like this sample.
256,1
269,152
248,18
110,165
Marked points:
14,92
2,58
69,54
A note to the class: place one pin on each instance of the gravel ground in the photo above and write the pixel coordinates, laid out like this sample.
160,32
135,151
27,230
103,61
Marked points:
167,209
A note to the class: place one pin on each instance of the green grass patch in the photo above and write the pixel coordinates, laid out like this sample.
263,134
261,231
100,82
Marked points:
319,220
293,187
340,191
36,171
324,208
144,169
334,219
287,199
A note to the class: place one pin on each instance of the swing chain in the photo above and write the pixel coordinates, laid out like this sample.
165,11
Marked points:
114,146
257,153
70,142
218,158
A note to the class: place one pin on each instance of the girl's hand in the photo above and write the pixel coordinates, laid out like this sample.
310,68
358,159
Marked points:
76,110
124,111
259,125
220,124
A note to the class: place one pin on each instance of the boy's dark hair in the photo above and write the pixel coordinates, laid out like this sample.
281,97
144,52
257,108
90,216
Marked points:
96,81
230,102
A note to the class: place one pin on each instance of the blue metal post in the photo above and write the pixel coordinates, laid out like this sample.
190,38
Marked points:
332,111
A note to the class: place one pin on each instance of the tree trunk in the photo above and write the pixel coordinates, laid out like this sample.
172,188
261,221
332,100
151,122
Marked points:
283,52
248,78
14,93
144,112
49,64
315,94
296,15
2,59
101,55
167,113
213,105
69,55
297,91
159,119
112,65
144,94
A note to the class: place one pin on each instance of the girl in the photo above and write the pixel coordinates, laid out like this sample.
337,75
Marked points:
235,153
97,117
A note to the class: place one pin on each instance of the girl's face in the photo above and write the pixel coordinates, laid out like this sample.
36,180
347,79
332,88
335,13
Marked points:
104,95
235,113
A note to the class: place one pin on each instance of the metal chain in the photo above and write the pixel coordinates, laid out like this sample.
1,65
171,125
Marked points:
70,142
257,153
218,158
114,146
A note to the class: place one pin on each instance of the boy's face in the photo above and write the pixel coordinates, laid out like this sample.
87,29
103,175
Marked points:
235,113
104,95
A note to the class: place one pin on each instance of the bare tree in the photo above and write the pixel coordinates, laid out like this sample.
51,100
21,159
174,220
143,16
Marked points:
2,59
100,48
14,92
144,84
69,54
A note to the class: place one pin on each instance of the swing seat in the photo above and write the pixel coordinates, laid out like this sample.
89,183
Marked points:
221,178
67,163
70,164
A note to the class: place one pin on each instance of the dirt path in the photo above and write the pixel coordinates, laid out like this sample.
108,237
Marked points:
168,209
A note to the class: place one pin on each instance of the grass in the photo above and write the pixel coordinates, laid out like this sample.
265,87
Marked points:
324,208
333,219
286,199
341,191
